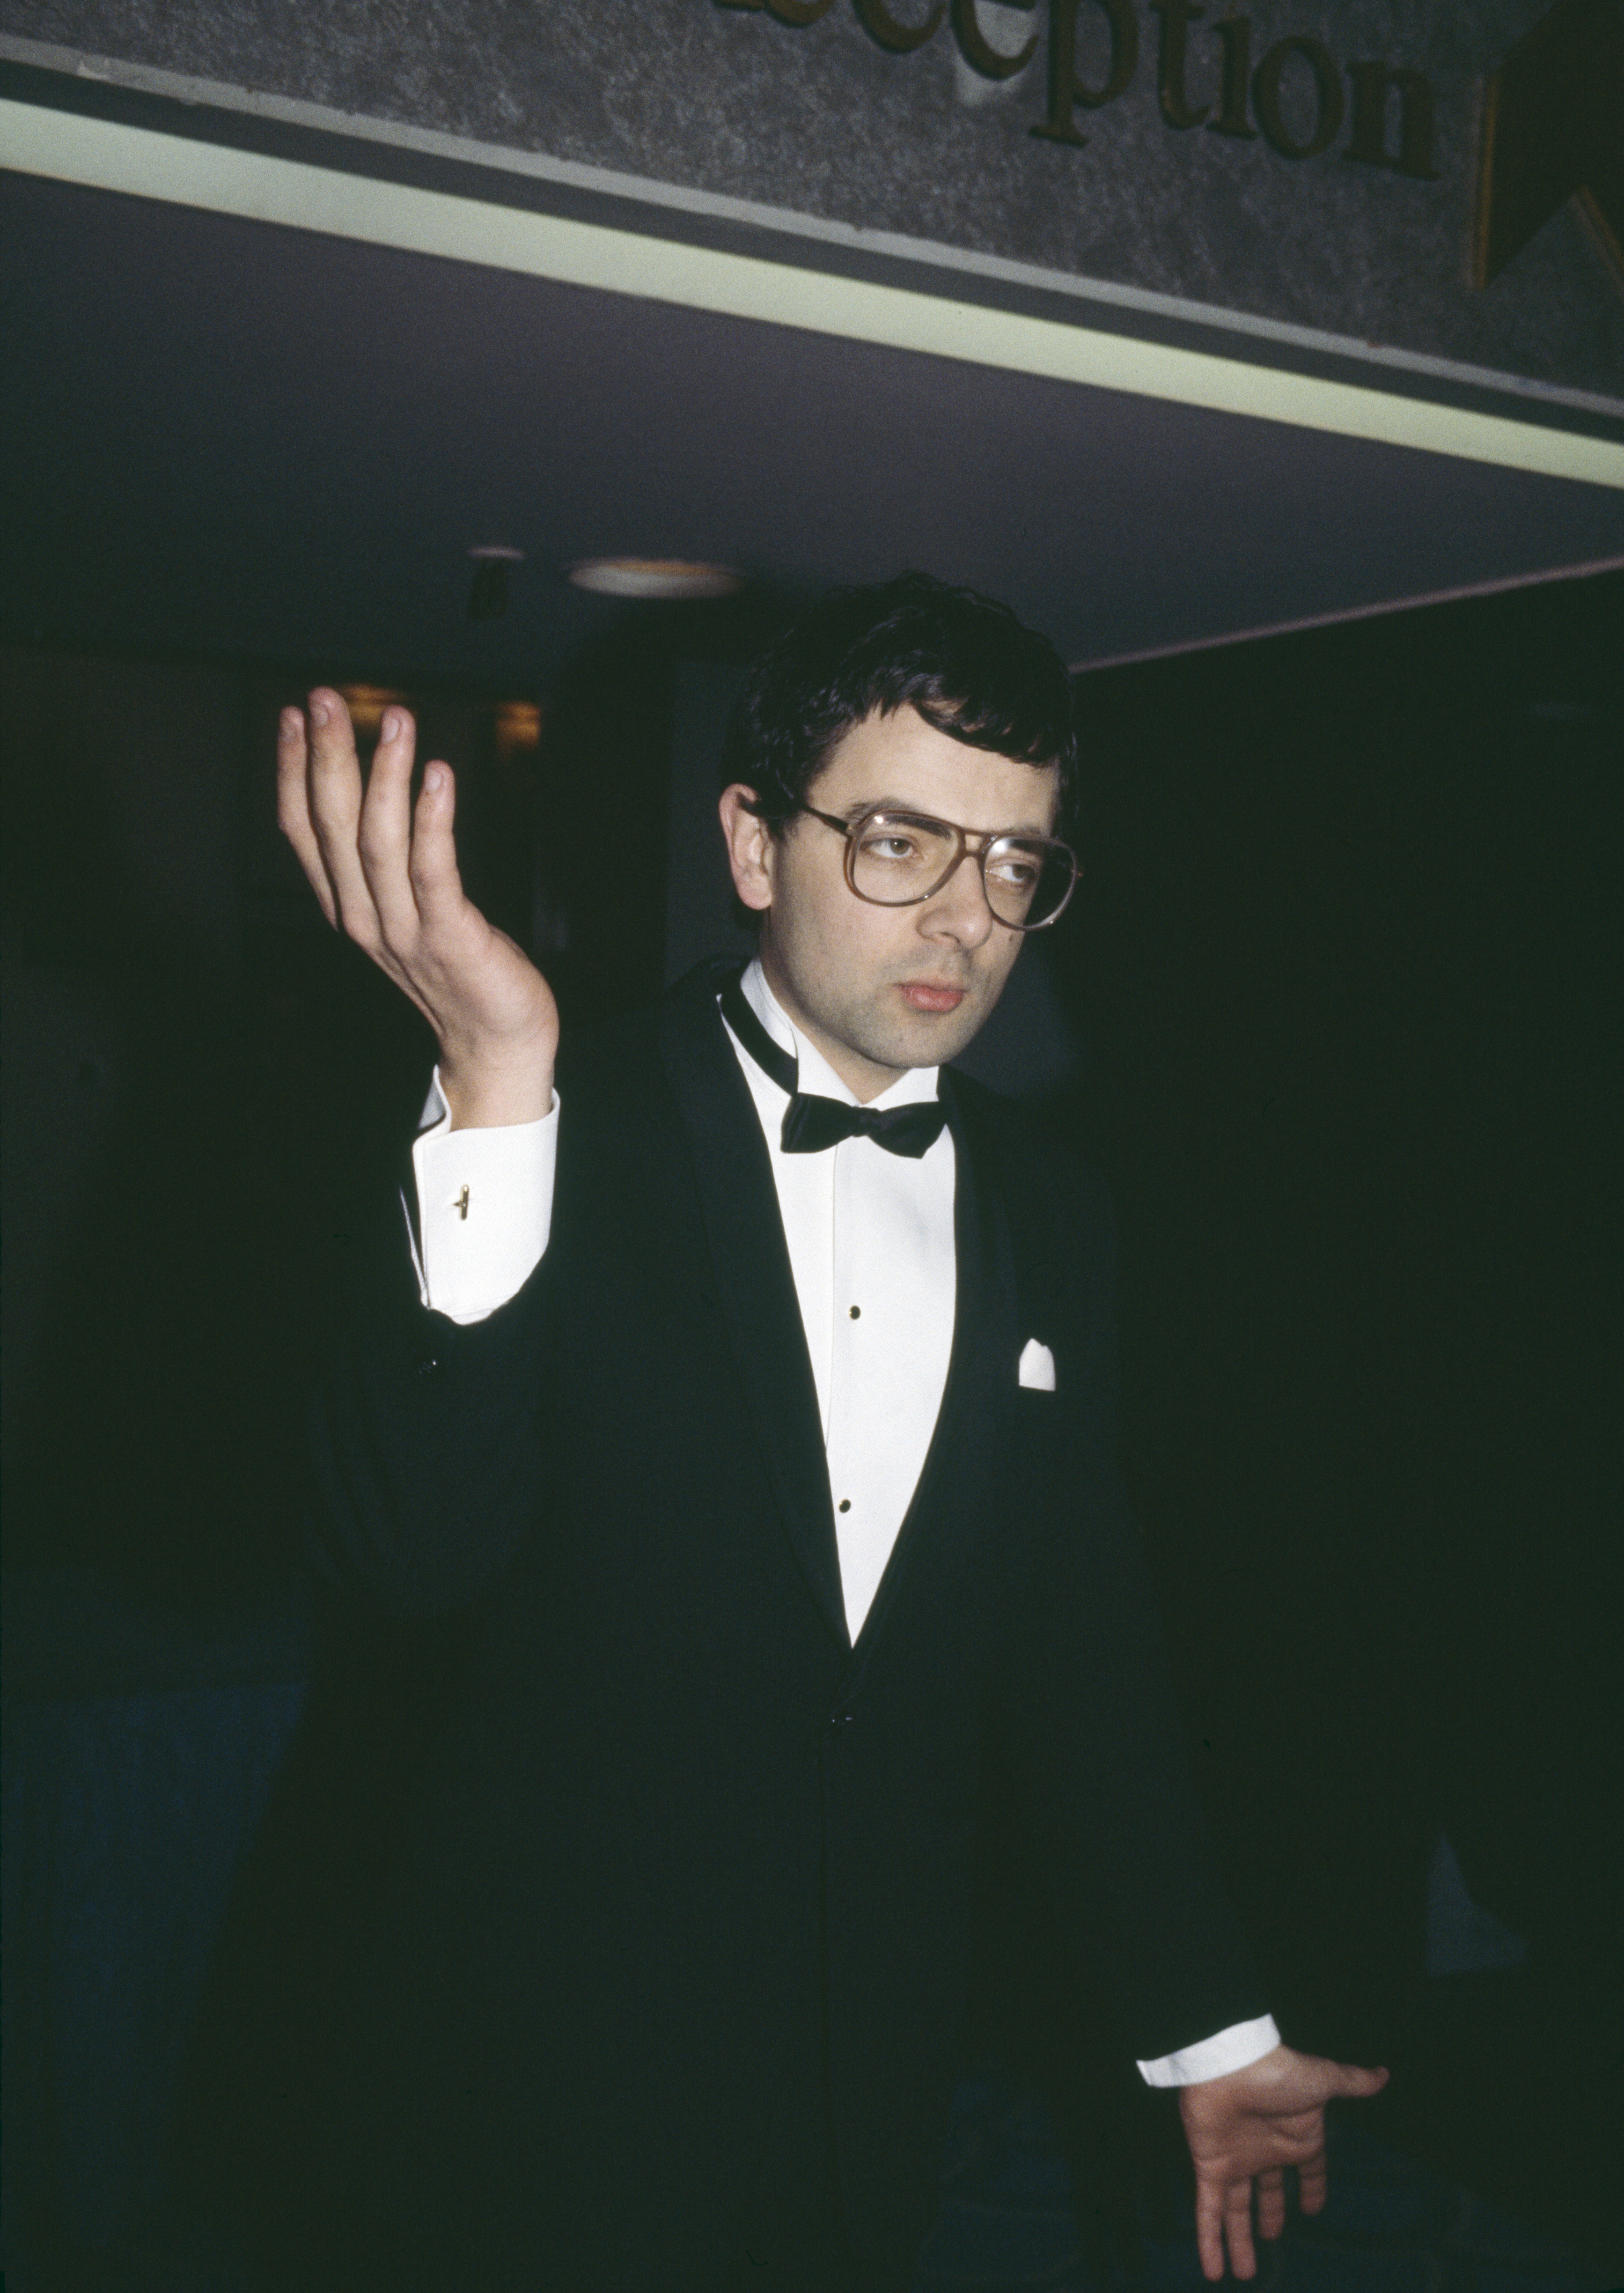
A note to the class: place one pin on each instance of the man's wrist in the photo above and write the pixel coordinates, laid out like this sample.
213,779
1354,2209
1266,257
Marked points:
489,1095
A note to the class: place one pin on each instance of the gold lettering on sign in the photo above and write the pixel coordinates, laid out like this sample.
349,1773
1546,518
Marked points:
1066,91
1236,33
1369,139
797,14
901,39
1328,96
1176,15
1550,129
978,54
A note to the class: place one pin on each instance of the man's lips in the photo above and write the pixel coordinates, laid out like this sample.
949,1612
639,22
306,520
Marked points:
926,996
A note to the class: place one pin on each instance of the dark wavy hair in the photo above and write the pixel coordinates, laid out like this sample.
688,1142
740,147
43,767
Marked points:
964,661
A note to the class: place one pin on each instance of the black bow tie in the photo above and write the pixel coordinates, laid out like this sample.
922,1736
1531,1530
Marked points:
810,1123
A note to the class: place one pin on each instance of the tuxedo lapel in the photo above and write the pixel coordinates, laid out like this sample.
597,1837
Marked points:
967,1466
755,1286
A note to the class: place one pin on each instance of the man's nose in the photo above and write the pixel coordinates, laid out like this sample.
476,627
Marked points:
958,910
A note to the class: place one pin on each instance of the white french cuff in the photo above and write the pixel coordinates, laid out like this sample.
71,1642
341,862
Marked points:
484,1208
1234,2049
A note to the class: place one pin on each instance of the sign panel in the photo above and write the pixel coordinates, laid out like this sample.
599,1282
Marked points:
1434,193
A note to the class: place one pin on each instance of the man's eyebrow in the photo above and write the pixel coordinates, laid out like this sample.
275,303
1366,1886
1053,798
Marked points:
853,813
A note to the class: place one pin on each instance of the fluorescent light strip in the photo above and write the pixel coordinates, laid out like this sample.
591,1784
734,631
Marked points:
108,156
1339,614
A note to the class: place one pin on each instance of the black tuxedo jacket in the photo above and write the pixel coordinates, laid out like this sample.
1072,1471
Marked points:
665,1967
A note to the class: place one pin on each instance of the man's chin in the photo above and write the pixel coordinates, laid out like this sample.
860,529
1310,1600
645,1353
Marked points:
914,1037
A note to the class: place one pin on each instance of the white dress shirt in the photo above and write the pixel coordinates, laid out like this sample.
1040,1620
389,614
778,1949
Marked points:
870,1239
871,1248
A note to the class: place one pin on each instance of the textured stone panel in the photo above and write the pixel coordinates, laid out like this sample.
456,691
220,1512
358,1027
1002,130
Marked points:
825,121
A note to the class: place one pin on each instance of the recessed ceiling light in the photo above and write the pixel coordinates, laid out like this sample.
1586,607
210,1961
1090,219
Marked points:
654,577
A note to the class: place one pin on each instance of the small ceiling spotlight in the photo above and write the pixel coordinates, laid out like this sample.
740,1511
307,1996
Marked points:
489,596
654,577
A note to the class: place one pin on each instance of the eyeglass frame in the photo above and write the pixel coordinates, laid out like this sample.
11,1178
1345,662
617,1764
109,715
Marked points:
850,829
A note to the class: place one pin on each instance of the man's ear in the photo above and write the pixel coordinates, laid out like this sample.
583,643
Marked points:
750,849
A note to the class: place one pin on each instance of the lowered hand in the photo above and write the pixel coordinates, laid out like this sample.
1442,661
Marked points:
1246,2129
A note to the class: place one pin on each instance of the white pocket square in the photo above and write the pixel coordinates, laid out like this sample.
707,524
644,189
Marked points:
1037,1368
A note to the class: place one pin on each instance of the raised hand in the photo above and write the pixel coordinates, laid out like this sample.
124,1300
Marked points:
1248,2127
385,874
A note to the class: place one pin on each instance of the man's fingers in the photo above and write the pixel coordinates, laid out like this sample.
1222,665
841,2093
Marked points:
293,810
1311,2184
1210,2227
437,886
1272,2202
336,810
1238,2228
384,833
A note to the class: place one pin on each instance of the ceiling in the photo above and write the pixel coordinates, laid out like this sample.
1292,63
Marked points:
240,440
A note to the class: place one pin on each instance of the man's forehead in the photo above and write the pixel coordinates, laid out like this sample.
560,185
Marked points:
900,761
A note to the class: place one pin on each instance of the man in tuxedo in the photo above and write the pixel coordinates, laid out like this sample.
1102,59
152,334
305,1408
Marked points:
735,1422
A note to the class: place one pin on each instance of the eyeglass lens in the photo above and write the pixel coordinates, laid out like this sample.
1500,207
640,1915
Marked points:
897,860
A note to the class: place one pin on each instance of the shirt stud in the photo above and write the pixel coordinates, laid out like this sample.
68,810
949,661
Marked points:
461,1204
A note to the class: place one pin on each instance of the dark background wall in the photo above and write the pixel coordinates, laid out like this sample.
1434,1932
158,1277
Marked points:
1347,983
